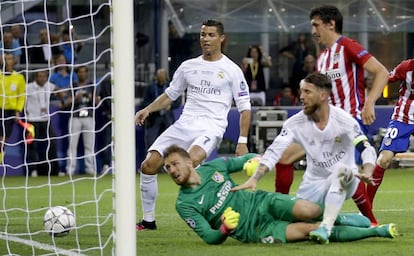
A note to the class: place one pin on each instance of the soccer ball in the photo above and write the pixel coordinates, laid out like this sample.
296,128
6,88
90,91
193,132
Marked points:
58,221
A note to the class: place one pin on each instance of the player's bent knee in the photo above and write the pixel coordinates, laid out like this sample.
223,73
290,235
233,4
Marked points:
197,161
152,163
197,155
304,210
384,159
384,163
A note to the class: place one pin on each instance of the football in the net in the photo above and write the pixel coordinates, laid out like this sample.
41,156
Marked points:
58,221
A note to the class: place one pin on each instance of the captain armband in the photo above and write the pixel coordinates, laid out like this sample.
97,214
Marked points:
368,153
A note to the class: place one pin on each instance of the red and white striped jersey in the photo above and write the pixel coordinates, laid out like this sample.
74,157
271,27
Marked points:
404,108
343,64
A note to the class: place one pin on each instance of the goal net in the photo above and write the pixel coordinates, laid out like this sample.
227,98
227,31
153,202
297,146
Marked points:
56,126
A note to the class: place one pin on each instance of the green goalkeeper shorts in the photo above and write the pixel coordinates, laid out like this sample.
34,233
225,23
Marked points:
276,213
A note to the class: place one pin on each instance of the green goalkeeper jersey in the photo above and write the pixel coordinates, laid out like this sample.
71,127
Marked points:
201,207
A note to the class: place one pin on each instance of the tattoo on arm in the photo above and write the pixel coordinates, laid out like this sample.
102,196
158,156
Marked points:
257,176
260,172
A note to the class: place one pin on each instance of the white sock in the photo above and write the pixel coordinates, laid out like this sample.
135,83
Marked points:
149,193
334,200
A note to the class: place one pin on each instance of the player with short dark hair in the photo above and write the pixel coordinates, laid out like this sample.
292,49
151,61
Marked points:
208,206
212,82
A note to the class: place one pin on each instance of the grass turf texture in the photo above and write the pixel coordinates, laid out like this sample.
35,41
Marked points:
36,199
394,203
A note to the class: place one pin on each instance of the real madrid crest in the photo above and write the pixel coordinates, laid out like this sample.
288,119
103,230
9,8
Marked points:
337,140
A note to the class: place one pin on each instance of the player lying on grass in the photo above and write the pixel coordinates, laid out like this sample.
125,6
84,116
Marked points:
207,204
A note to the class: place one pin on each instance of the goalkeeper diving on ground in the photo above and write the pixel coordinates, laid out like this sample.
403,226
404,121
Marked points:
208,206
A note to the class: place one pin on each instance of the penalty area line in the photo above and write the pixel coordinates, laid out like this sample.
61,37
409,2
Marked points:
42,246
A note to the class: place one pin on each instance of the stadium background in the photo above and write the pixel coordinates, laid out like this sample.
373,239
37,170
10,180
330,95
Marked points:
386,28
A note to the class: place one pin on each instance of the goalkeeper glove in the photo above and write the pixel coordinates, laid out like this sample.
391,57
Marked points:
230,220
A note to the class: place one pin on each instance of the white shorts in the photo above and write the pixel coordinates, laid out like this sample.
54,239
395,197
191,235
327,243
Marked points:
316,190
189,131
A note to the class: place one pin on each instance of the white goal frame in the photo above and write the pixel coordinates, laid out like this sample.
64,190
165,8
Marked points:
124,127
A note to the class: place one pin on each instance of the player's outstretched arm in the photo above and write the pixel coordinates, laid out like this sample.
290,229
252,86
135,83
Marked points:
368,156
162,102
140,117
366,175
365,178
251,183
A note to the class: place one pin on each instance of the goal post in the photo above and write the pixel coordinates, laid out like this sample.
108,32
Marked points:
95,182
124,127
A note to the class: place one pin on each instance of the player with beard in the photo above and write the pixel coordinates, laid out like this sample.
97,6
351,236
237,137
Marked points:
329,137
344,61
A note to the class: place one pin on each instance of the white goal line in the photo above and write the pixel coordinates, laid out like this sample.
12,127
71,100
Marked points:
42,246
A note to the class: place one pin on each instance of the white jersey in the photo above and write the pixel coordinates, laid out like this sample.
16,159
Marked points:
325,149
38,100
211,87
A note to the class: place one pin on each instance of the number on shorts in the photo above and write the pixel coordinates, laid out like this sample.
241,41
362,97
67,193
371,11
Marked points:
391,133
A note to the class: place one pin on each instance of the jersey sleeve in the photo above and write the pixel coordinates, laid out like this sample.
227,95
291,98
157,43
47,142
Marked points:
240,89
233,164
178,83
399,72
361,143
357,134
199,224
274,152
357,52
351,128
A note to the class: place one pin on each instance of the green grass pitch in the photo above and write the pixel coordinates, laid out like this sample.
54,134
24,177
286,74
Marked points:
394,203
16,222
